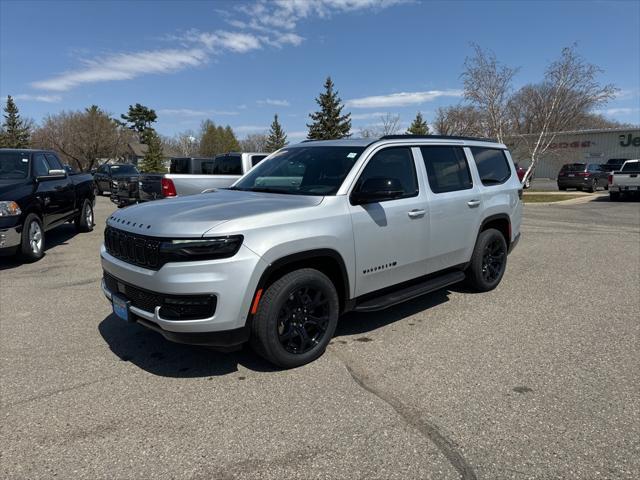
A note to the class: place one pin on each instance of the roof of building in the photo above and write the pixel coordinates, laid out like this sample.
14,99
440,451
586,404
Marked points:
138,149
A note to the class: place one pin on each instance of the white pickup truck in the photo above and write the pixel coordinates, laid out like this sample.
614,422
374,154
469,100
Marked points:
626,181
187,176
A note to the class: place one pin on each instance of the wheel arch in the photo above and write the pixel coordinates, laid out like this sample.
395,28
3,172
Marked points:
500,222
325,260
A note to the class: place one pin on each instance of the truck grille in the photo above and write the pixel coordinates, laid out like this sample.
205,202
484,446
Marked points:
132,248
172,307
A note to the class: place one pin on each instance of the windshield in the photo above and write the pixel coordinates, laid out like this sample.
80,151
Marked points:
123,170
302,171
13,166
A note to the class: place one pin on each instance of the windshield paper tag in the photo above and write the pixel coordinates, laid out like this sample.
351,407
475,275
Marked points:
352,155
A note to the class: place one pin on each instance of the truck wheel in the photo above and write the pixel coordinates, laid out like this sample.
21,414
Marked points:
594,186
32,245
614,196
84,220
296,318
489,261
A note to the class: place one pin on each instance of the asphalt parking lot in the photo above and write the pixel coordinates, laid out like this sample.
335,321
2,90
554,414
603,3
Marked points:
537,379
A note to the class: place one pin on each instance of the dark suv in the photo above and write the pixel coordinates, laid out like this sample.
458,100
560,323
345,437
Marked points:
583,176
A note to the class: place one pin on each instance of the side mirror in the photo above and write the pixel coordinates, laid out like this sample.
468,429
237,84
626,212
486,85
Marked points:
377,189
53,174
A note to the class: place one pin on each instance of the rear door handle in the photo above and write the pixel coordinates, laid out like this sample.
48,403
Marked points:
417,213
473,203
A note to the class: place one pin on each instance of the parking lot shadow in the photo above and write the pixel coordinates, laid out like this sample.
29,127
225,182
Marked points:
53,238
152,352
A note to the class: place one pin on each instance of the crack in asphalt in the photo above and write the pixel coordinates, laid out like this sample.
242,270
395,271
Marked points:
416,420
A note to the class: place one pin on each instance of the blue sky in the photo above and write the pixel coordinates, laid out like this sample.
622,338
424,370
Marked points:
238,63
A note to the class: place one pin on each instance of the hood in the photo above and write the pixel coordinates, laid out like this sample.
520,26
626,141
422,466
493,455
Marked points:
193,215
15,189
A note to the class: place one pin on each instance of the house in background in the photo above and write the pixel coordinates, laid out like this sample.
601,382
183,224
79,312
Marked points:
135,152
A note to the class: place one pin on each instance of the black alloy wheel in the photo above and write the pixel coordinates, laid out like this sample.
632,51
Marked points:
303,320
493,260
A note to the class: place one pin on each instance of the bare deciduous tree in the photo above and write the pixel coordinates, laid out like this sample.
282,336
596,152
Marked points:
487,85
184,144
83,137
389,125
254,142
569,91
463,120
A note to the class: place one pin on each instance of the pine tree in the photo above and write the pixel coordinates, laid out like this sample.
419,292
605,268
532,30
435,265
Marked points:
152,161
277,138
215,140
15,132
328,123
418,126
139,119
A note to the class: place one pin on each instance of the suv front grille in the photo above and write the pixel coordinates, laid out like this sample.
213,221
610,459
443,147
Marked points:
172,307
132,248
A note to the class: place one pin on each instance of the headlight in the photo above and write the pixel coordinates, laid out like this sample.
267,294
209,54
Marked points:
199,249
8,209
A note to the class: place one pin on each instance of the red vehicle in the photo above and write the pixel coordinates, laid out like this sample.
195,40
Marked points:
521,171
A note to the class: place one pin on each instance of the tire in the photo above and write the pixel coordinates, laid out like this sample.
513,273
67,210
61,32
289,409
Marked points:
85,221
562,189
32,243
277,336
594,186
614,196
489,261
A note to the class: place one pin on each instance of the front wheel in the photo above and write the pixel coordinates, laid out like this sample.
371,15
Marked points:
84,220
489,261
296,318
32,244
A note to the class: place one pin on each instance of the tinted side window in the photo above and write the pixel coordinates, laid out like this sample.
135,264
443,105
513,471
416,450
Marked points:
207,167
256,159
228,165
396,162
447,169
492,164
40,165
53,162
179,165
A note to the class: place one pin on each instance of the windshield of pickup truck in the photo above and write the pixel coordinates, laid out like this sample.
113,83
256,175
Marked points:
302,171
124,170
13,166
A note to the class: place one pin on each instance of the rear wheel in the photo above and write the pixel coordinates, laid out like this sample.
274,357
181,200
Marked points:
594,186
614,196
296,318
489,261
562,188
84,220
32,244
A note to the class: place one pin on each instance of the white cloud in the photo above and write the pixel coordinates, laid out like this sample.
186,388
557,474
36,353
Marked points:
187,112
250,129
275,21
300,134
369,116
618,111
37,98
275,103
402,99
125,66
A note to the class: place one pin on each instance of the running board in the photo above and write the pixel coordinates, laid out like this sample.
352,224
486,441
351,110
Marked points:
408,293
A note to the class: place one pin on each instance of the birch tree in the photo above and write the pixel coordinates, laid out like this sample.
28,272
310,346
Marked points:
570,89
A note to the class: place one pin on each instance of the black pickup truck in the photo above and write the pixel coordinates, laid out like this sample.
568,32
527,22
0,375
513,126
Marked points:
36,195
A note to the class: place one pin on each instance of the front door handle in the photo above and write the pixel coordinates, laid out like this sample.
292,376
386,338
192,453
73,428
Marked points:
417,213
473,203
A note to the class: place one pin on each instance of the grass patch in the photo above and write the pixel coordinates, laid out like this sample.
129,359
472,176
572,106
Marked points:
547,198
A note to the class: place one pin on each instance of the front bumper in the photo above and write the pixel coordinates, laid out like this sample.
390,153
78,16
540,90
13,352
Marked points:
232,281
10,237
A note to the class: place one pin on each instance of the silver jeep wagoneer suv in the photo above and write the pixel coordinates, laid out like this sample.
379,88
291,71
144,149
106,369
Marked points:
315,230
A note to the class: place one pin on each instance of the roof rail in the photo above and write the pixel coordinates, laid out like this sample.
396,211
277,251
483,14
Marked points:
437,137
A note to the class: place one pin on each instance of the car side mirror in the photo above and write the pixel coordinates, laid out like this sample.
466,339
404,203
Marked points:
53,174
377,189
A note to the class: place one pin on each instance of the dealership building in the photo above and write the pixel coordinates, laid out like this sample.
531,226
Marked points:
590,146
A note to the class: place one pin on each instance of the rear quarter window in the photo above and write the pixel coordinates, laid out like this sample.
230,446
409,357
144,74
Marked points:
492,164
